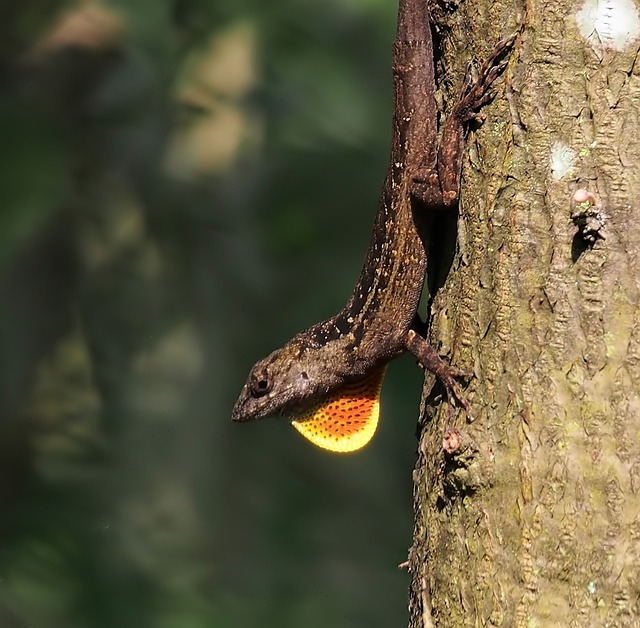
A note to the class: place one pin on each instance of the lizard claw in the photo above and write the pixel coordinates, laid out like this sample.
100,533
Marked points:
453,389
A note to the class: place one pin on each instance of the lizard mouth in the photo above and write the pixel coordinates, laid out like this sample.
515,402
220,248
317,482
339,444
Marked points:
249,408
241,412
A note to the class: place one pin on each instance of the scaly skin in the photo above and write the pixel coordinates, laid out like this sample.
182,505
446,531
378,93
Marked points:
379,320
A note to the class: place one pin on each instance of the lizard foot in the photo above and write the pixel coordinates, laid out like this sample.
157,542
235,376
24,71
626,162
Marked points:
478,92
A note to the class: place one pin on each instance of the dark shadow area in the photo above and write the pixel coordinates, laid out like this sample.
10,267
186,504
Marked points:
442,250
578,247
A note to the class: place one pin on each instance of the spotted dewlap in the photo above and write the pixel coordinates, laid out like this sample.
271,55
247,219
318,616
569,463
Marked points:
347,419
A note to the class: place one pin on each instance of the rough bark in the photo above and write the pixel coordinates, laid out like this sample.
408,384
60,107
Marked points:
533,518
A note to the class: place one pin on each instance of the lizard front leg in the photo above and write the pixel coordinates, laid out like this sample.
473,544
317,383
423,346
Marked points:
431,361
439,186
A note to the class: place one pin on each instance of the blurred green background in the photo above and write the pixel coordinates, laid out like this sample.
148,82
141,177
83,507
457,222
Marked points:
184,185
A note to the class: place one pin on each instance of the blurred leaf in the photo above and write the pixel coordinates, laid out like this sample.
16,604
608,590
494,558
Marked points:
192,246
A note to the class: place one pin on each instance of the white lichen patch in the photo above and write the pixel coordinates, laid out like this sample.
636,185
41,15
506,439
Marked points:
563,158
609,23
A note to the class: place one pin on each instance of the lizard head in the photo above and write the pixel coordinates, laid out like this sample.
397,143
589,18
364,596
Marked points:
283,383
306,386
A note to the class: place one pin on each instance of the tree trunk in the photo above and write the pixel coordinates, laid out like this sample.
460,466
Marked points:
532,515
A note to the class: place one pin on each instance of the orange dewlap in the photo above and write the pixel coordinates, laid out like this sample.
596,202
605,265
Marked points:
347,419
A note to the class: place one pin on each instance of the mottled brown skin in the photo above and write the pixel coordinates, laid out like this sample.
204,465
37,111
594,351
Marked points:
379,320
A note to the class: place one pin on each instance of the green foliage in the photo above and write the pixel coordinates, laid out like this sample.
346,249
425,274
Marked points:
184,186
35,176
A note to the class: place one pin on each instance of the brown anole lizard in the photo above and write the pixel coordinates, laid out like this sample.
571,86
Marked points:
327,378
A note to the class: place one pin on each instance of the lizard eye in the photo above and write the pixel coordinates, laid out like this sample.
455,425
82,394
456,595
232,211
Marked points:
260,383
